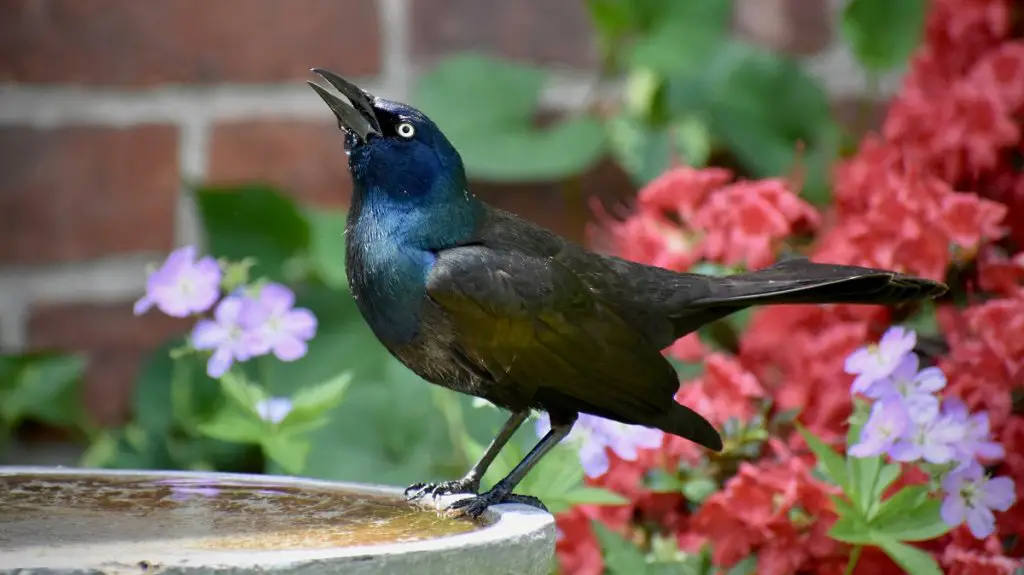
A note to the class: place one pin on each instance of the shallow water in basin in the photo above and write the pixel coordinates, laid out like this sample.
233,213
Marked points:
209,514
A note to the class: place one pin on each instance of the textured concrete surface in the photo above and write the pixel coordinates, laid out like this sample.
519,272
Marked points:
64,534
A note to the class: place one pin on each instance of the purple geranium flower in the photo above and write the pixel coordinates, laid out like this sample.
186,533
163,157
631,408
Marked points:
886,424
594,434
977,441
934,440
906,380
182,286
878,361
226,335
971,496
277,326
274,409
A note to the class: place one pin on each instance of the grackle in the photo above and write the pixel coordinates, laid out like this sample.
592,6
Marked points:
477,300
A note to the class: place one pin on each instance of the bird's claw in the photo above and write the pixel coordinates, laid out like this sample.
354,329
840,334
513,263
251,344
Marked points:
418,491
475,506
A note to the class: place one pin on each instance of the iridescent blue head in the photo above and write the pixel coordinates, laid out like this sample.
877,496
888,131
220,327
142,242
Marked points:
402,163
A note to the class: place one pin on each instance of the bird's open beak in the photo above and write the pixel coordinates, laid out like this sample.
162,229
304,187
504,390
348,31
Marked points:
354,111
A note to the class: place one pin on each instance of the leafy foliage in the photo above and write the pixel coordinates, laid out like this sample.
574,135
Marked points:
488,108
883,34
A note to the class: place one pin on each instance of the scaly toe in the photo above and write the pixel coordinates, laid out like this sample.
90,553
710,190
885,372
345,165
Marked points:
416,491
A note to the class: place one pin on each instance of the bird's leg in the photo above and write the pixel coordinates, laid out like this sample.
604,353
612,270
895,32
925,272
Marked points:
502,491
470,483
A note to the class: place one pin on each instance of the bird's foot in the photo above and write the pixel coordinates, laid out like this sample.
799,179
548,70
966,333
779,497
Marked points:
418,491
475,506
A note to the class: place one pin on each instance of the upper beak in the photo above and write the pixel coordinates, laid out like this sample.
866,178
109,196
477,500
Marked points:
355,115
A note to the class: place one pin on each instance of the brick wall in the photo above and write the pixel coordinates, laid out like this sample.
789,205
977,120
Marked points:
106,106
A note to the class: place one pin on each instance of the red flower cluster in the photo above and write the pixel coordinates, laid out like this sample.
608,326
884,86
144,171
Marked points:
798,351
940,186
687,215
774,508
894,214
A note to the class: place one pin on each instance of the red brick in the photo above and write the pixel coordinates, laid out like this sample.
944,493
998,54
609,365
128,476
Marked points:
540,31
115,342
794,26
79,193
128,42
306,159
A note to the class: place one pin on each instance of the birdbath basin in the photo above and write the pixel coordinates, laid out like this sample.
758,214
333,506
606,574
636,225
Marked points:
74,521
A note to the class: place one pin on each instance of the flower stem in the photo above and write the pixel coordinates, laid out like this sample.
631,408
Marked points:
448,404
181,396
854,556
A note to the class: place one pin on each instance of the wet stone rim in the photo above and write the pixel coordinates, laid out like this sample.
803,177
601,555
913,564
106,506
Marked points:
513,538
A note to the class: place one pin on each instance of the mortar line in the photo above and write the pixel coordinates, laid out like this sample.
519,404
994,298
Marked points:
52,106
193,165
395,46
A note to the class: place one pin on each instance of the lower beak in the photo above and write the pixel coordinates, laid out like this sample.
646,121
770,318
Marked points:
354,112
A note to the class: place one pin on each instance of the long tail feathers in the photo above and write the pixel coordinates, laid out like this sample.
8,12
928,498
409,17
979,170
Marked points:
688,424
802,281
794,281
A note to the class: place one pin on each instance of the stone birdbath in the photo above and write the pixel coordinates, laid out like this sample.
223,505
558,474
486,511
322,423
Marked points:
75,521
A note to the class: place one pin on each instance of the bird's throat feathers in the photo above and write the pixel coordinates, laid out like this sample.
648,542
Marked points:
393,235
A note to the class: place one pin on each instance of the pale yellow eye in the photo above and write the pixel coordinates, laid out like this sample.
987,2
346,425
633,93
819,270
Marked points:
406,130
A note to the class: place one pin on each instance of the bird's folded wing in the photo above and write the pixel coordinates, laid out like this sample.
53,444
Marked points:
530,322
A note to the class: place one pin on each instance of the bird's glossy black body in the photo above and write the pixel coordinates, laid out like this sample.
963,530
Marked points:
485,303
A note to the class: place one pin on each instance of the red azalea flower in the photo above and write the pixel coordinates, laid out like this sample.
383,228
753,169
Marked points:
744,221
725,389
999,274
775,508
967,220
688,348
649,238
681,191
965,555
577,549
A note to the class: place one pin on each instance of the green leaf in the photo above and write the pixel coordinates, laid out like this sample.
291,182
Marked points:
386,427
289,452
698,489
661,481
850,529
889,473
900,503
620,556
833,463
585,495
692,140
311,403
864,471
843,506
746,567
920,523
554,477
911,559
253,221
242,393
327,246
611,17
644,152
41,386
882,33
686,370
524,154
232,425
486,107
765,109
685,38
